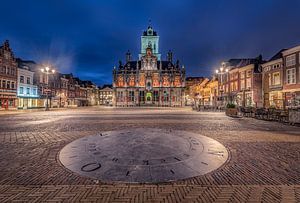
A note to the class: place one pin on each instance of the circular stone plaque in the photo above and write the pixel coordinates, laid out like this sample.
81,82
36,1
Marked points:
143,155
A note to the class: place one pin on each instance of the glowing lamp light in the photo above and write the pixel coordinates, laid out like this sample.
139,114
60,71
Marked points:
217,71
227,70
42,70
53,71
47,68
221,69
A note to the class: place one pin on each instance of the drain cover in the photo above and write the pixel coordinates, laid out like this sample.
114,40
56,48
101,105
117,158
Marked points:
143,155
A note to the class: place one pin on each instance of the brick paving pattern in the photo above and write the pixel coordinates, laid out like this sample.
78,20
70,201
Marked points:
264,163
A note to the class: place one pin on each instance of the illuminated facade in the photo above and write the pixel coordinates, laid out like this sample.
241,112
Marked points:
27,92
8,78
149,81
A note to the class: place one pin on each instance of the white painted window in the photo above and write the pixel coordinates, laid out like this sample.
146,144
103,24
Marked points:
290,60
270,79
276,78
291,76
242,75
243,84
248,83
248,73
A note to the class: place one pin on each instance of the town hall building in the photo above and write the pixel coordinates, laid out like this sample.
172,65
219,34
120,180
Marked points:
149,81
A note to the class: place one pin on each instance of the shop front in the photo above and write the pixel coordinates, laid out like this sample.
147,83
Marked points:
27,103
292,99
7,102
276,99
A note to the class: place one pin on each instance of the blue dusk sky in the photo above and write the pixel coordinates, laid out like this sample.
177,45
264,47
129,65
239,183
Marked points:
89,37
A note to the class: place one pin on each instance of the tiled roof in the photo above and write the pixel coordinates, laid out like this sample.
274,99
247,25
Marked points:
106,85
278,55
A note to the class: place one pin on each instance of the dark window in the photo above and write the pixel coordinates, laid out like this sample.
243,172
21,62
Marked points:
21,90
142,96
120,97
21,79
131,96
166,96
34,91
156,96
28,90
28,80
8,85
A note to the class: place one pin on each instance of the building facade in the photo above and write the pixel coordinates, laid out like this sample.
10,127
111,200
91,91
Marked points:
272,82
27,92
8,78
106,95
189,94
242,84
291,76
149,81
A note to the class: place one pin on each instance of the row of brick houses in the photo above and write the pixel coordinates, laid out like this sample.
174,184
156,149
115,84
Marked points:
24,86
253,82
281,76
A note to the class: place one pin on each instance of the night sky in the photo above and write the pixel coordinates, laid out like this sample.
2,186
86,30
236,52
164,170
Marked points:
89,37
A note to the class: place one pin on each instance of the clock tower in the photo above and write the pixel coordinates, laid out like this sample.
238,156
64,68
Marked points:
150,39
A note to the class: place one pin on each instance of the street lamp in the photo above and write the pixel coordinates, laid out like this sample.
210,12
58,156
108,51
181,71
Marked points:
222,71
47,71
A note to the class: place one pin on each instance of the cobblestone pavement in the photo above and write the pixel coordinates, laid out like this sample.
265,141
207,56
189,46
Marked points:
264,163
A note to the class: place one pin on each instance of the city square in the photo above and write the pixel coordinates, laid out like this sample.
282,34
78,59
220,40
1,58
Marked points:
150,101
262,164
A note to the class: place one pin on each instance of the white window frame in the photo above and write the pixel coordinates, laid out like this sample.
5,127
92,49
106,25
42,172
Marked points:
290,60
270,79
248,83
243,84
293,73
273,78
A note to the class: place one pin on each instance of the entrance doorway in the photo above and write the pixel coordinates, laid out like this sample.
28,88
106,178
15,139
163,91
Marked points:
149,96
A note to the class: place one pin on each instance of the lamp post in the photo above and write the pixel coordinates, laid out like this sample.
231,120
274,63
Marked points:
47,72
222,71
